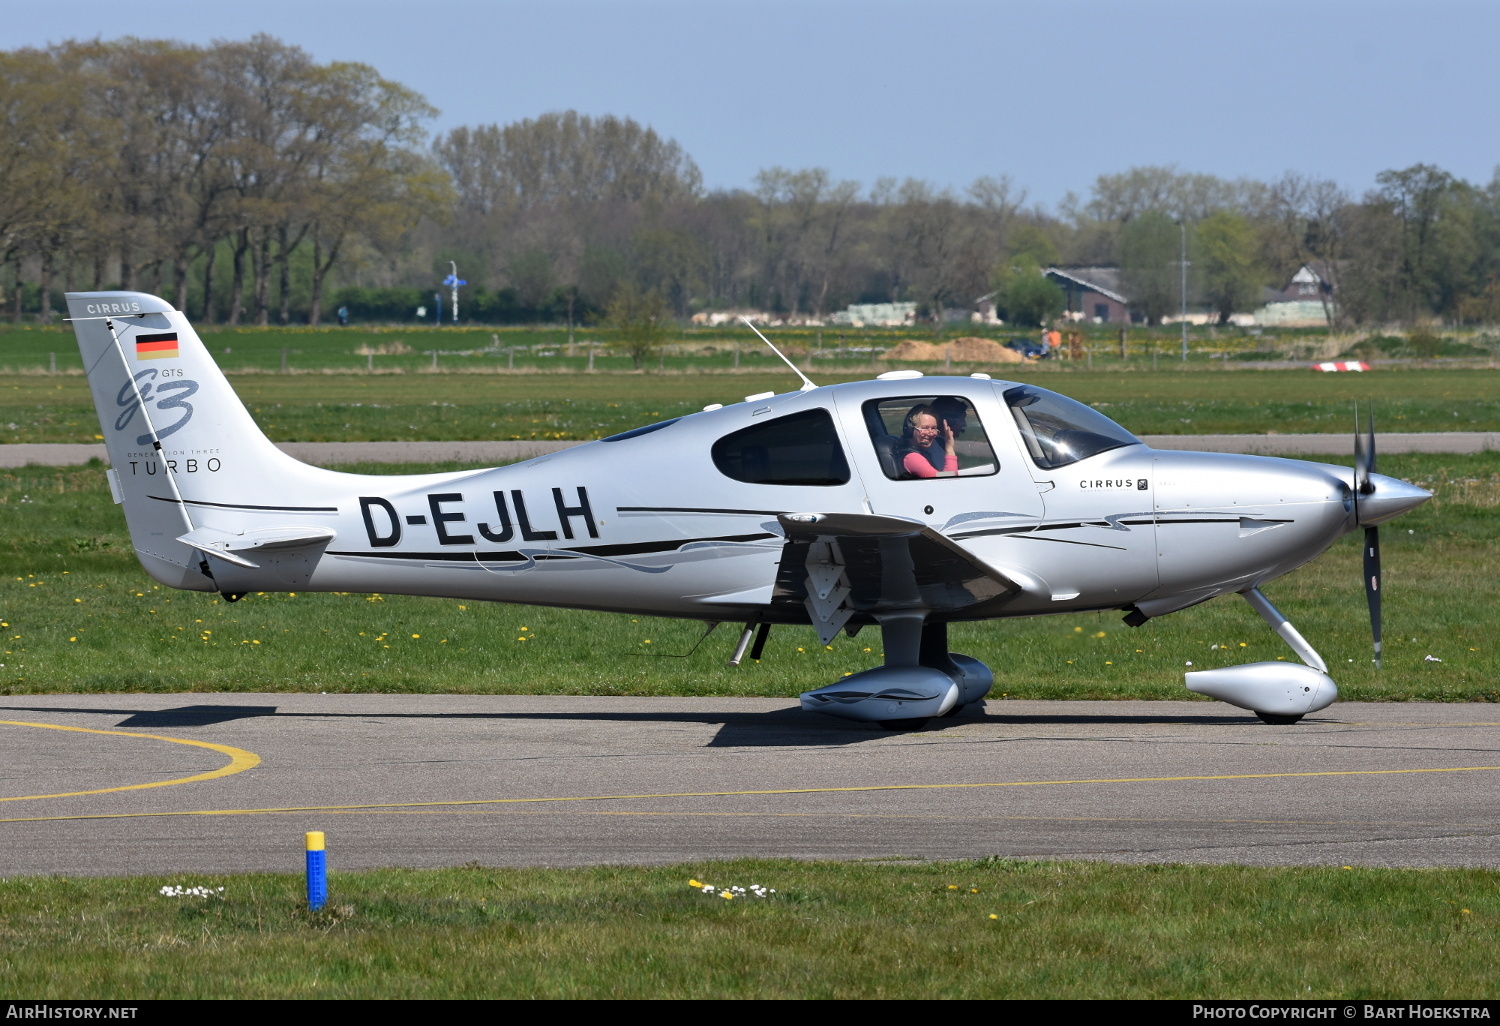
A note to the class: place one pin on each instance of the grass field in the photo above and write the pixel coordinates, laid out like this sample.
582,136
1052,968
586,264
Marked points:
440,407
479,348
987,929
79,614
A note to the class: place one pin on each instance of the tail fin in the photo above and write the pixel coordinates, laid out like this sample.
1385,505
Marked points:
182,447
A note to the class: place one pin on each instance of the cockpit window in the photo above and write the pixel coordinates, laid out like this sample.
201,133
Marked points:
1058,431
802,449
911,443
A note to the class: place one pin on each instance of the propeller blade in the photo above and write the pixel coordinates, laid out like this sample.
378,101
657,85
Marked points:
1372,584
1364,456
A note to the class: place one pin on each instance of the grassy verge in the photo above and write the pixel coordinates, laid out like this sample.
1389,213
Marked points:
79,615
988,929
410,347
440,407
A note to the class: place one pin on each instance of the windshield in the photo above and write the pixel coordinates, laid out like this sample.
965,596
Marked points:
1059,431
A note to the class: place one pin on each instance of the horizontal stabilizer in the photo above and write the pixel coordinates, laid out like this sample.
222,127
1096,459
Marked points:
226,544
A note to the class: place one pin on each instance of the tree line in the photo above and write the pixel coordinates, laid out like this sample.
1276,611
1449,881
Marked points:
248,183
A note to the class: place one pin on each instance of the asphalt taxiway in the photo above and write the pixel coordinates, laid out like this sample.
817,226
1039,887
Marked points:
156,784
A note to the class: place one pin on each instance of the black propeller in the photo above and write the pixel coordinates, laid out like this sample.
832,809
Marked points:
1364,466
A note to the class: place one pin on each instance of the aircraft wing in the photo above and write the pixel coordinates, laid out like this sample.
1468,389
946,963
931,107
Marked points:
840,564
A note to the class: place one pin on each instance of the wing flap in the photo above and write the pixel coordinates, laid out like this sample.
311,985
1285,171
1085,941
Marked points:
839,564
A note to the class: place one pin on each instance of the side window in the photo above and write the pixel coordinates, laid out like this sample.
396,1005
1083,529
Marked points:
911,437
802,449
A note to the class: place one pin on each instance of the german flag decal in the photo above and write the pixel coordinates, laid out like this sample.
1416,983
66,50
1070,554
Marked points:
159,346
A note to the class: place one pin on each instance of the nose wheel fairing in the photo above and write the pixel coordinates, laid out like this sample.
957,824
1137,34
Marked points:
1276,692
1274,689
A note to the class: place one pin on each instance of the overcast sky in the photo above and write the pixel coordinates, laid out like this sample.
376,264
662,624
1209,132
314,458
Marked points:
1050,93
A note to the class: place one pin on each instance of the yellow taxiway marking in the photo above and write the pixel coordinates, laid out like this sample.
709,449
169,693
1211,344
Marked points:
239,761
721,794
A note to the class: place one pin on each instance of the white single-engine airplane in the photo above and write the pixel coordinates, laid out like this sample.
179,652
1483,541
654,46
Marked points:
909,502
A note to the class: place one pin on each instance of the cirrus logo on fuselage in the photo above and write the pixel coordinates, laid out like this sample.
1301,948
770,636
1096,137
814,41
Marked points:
1102,483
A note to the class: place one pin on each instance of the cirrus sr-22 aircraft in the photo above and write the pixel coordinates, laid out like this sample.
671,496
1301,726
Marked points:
809,507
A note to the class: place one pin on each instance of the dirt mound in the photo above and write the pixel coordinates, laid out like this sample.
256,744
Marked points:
982,350
961,350
912,351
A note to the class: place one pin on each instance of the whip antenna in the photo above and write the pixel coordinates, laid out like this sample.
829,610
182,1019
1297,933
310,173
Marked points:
807,384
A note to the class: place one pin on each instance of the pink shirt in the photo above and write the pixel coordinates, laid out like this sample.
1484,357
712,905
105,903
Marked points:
918,465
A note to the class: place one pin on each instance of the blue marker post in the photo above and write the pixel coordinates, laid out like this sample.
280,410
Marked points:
317,871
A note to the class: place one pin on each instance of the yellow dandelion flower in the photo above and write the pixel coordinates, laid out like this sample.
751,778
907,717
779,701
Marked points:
694,883
416,635
953,887
993,916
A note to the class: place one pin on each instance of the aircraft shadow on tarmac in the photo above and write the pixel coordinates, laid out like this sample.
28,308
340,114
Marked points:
779,728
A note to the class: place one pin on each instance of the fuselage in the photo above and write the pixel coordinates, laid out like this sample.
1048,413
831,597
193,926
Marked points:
680,519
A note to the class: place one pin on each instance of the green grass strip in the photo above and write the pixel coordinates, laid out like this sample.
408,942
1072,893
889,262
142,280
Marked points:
993,928
447,407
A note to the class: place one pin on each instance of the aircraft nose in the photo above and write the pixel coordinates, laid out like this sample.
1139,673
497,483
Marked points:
1389,500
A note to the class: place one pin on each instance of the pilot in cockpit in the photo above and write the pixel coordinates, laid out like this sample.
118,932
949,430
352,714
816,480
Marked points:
927,448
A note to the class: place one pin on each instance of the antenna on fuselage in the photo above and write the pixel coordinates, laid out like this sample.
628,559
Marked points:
807,384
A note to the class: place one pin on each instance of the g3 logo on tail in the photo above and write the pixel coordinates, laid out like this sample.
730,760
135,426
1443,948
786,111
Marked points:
170,396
